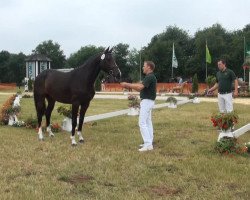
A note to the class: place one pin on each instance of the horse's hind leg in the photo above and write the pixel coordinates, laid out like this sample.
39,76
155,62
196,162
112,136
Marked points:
40,107
50,107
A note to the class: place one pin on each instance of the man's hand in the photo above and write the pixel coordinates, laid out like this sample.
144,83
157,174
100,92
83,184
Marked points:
235,94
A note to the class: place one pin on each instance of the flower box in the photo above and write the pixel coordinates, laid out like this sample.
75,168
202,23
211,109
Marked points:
225,123
196,100
67,124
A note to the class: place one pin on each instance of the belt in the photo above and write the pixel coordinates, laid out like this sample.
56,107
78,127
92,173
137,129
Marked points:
224,92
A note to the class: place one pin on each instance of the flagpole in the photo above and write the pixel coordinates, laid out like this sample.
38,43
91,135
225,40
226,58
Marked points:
244,58
172,74
140,64
206,61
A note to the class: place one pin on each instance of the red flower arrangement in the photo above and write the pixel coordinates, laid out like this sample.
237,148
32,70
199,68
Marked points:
55,127
7,110
224,121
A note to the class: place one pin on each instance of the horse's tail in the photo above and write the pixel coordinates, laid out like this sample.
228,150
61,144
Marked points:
39,93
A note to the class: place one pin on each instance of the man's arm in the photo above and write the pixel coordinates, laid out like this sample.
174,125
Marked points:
213,88
236,87
135,86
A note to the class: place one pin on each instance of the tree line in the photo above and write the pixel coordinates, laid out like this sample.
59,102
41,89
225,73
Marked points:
189,50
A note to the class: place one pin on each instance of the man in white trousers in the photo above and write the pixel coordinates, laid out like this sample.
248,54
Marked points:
147,91
224,80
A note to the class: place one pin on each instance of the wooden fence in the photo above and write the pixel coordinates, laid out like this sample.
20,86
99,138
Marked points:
7,86
161,87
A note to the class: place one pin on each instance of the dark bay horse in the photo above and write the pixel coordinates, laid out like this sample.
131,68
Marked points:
75,87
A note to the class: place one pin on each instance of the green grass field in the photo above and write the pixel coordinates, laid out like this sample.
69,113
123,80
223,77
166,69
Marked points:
183,164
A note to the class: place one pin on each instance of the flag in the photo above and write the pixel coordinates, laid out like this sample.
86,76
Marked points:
174,60
208,56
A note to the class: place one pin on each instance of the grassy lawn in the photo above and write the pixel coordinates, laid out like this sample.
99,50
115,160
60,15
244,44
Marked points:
108,165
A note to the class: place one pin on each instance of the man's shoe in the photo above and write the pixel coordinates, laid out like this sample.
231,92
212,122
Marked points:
146,148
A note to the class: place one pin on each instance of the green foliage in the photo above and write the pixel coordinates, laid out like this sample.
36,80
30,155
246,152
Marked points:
82,55
134,101
54,52
98,84
31,122
171,100
66,111
55,127
30,85
195,84
225,121
228,145
12,67
210,80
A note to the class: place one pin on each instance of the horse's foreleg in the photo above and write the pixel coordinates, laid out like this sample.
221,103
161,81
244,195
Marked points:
83,110
75,108
50,107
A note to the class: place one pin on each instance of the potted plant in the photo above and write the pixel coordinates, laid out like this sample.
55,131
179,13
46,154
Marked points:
229,145
225,123
194,98
134,105
172,102
66,111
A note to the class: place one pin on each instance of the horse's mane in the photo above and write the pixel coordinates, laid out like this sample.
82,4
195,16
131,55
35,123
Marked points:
89,60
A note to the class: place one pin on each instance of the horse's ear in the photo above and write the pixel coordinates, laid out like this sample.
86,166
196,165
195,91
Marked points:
110,51
107,50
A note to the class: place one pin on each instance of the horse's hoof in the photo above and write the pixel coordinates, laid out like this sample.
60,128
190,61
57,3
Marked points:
41,139
52,135
81,141
73,144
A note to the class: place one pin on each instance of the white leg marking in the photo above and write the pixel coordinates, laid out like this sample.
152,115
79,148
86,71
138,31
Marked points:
40,134
51,134
80,136
73,140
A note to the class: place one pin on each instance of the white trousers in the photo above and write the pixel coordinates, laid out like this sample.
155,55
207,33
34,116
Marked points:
145,121
225,103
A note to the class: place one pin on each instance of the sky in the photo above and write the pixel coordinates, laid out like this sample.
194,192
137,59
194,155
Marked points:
75,23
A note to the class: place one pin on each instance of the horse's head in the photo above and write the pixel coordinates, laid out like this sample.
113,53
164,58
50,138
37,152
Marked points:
108,64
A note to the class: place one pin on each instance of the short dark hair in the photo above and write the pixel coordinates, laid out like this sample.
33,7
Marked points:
150,64
222,60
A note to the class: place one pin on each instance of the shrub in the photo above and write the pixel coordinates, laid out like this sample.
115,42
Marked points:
195,85
55,127
30,85
65,111
134,102
7,109
171,100
31,122
228,145
210,80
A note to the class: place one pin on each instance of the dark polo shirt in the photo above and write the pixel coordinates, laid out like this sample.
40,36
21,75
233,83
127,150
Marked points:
225,80
149,90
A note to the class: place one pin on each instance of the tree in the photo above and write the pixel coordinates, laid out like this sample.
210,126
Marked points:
53,51
121,52
217,40
83,54
133,63
12,67
195,85
160,51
